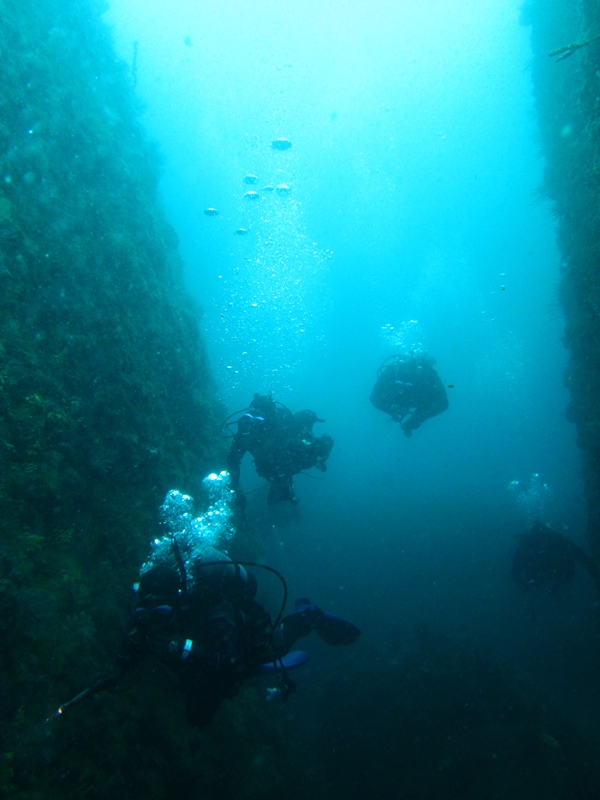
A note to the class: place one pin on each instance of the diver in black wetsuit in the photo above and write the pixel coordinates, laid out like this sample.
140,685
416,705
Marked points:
281,443
409,389
215,635
544,559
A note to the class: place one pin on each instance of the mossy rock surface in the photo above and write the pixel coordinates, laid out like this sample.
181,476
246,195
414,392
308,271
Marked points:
106,397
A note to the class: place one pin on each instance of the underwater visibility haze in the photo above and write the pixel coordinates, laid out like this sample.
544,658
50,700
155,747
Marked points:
414,221
347,182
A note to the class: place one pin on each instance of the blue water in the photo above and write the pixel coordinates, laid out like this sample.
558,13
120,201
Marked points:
414,219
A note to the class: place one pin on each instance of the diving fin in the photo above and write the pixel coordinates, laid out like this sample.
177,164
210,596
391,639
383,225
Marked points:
296,658
336,631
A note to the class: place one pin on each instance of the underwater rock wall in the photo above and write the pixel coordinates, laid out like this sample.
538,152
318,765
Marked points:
566,73
106,400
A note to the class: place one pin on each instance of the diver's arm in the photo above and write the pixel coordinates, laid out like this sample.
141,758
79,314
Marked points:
179,652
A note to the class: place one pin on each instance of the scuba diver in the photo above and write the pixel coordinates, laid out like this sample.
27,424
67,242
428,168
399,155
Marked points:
208,631
409,389
215,635
196,615
281,443
544,559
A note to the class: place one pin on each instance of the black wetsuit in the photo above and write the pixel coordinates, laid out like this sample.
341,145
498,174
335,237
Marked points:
544,559
410,391
281,443
210,638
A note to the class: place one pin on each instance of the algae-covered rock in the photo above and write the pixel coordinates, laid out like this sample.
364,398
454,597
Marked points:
106,399
567,87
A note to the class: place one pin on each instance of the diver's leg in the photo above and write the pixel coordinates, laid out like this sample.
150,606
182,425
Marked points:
307,617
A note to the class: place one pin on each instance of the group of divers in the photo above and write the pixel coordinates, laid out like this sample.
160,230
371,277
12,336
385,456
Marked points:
195,611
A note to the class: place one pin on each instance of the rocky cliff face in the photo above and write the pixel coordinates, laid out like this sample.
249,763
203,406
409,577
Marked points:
566,72
106,400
